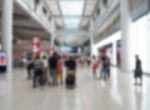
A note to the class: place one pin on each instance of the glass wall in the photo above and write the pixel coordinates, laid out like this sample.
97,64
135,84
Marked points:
141,32
141,43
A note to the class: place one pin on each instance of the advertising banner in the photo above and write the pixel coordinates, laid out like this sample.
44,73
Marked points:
36,46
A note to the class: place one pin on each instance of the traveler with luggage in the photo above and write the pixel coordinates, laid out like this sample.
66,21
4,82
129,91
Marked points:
71,70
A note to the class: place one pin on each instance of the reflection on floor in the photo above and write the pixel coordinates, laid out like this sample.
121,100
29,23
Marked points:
118,93
2,91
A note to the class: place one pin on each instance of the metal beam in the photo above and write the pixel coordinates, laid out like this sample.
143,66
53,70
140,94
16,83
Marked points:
61,16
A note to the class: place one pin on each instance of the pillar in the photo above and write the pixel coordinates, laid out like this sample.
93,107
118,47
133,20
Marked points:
53,32
7,40
114,53
91,37
127,51
52,44
52,39
91,44
7,31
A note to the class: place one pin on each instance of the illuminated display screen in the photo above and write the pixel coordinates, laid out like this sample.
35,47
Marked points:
2,58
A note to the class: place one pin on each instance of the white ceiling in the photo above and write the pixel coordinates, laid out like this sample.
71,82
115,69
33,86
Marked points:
56,10
26,27
72,13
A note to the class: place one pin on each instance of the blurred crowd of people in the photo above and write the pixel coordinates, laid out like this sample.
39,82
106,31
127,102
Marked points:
49,69
101,63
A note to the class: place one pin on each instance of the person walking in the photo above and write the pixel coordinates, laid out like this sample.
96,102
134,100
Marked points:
138,70
105,71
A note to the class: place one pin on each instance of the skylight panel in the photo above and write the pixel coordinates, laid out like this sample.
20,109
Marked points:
72,23
70,7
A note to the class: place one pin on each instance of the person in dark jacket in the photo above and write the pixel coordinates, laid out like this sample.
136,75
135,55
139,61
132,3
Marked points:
71,64
138,70
29,67
71,70
52,67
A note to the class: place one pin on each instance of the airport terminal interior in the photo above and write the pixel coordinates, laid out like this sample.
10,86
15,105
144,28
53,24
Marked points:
74,54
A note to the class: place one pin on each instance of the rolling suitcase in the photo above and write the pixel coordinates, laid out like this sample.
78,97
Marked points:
70,79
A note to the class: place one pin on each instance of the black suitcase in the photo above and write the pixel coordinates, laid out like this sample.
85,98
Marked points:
70,81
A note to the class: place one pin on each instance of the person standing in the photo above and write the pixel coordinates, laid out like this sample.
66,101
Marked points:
60,65
71,72
45,69
52,61
94,65
138,70
29,67
38,71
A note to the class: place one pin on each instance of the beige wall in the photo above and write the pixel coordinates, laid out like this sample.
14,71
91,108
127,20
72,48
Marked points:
24,47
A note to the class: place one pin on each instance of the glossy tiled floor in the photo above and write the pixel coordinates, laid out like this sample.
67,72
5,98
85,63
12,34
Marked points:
118,93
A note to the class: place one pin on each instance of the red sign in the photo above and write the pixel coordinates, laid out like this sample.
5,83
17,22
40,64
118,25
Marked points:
36,46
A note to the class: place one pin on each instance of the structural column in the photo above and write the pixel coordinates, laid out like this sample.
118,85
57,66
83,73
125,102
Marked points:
53,39
52,44
127,38
91,44
53,32
7,31
114,56
7,46
91,37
